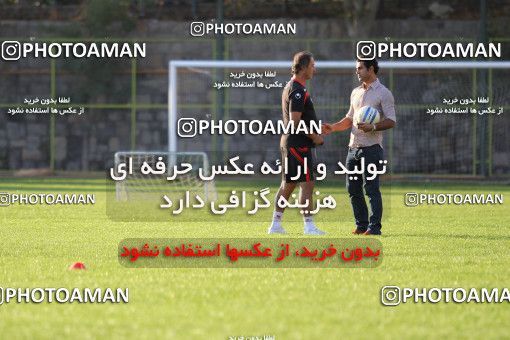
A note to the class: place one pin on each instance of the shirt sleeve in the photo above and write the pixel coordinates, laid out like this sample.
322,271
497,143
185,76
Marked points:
297,101
350,114
388,106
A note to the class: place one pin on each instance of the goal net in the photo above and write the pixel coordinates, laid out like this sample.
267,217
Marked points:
152,174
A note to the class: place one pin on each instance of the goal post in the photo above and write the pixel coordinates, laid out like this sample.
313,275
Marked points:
401,77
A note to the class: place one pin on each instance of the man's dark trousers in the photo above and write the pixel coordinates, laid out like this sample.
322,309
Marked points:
372,154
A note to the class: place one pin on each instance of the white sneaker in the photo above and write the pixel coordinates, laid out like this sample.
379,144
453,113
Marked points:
314,231
276,229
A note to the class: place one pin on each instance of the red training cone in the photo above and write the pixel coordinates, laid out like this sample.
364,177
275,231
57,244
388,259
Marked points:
77,266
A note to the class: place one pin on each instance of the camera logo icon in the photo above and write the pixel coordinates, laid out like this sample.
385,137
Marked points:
411,199
11,50
365,50
5,199
187,127
390,296
197,29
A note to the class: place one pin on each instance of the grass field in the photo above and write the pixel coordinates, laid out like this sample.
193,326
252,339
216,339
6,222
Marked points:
426,246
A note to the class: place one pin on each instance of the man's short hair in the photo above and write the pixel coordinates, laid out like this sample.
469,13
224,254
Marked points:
368,63
301,61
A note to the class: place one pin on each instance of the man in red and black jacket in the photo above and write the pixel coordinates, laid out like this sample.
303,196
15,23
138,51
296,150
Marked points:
296,148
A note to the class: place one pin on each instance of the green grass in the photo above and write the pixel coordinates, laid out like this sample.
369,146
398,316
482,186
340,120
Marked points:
425,246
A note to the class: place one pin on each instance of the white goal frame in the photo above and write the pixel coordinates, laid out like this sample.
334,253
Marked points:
174,65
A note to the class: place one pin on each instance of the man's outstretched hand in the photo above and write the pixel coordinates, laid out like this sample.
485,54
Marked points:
326,129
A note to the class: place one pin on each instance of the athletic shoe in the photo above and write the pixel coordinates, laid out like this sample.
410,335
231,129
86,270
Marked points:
276,229
314,231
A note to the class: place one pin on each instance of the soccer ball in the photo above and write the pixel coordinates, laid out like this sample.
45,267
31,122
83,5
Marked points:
367,114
